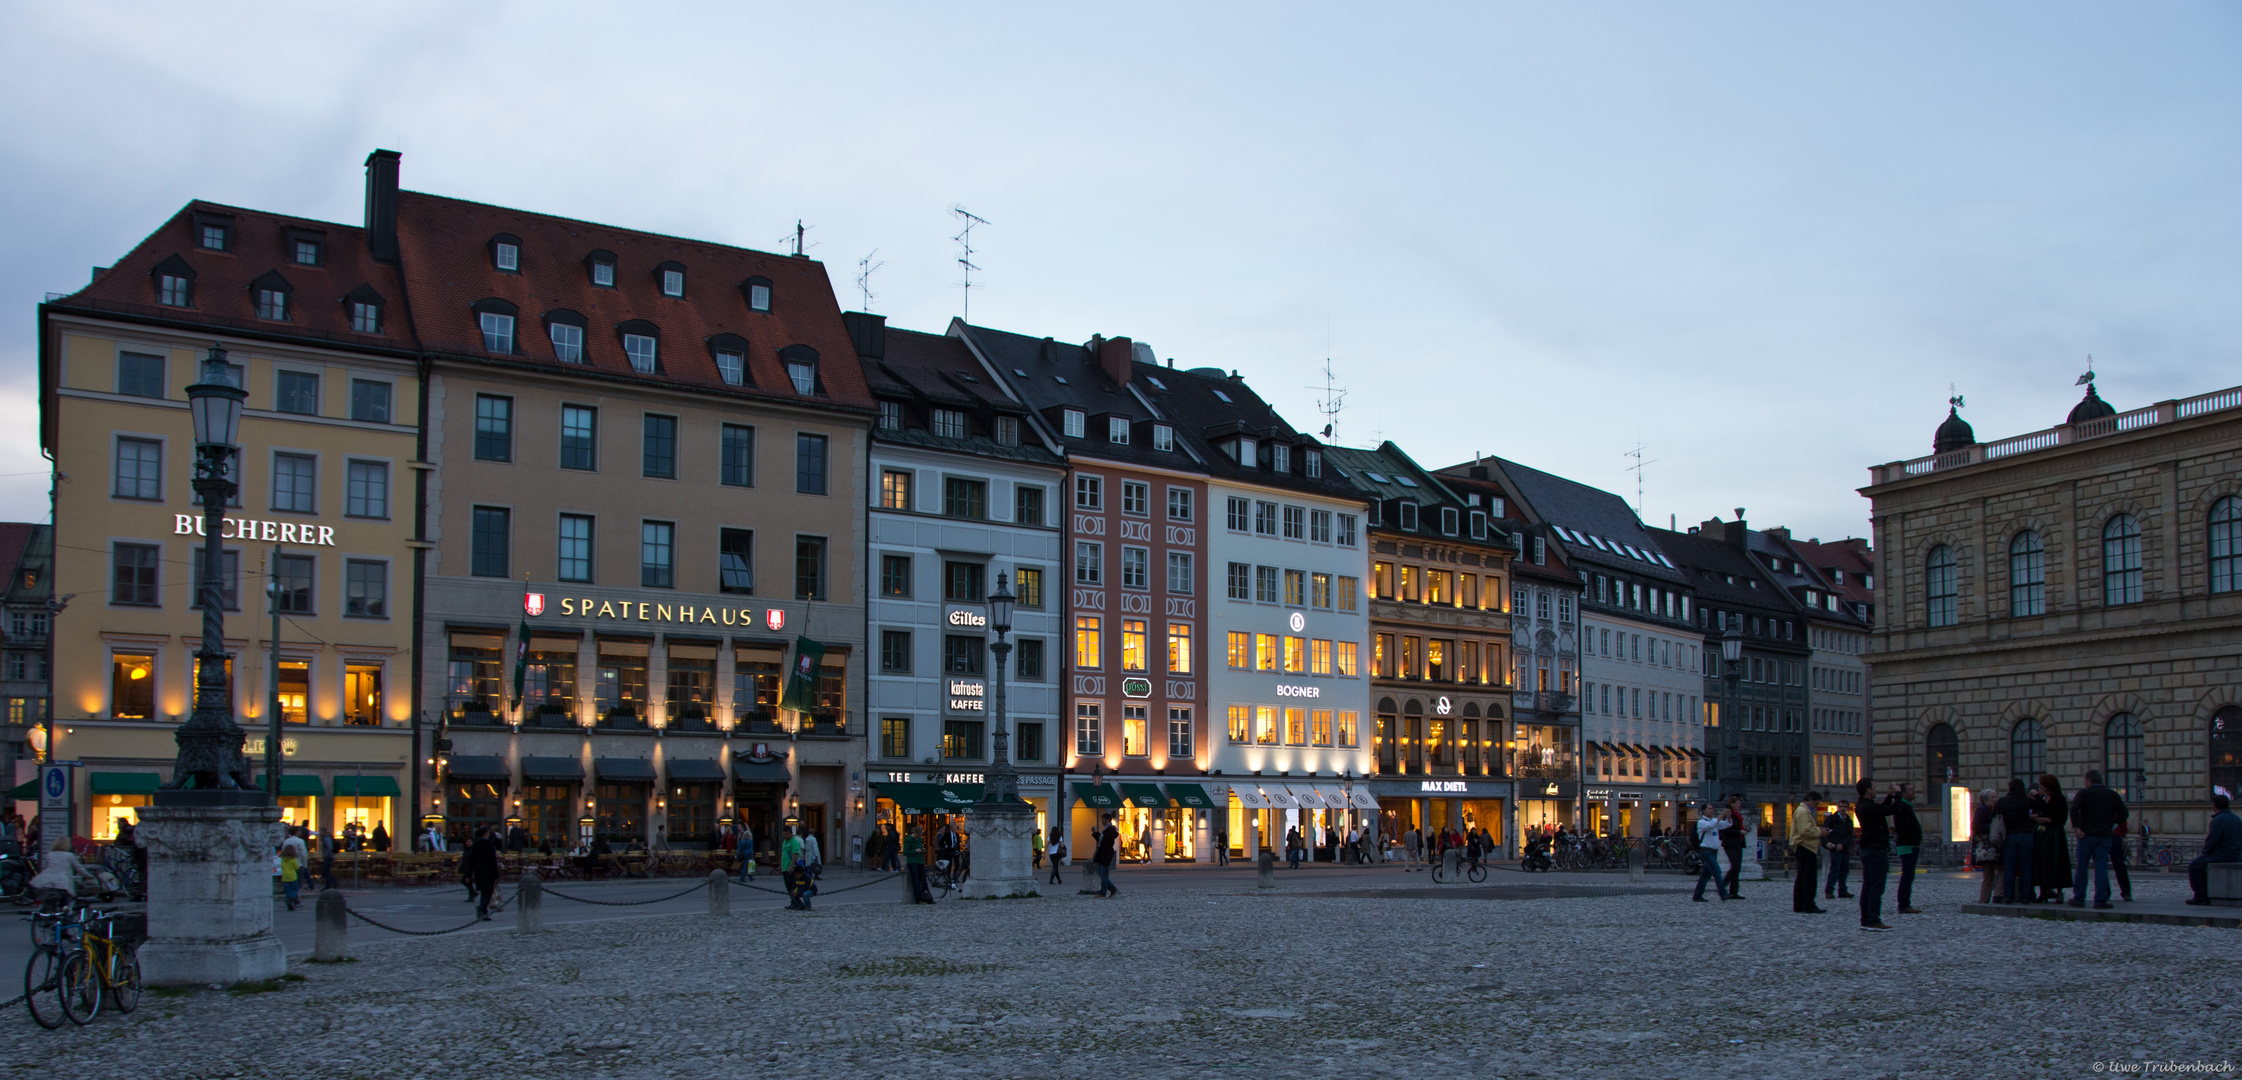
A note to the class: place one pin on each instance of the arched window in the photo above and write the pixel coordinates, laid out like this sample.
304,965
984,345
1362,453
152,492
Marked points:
2226,545
2121,561
1942,754
2122,756
2027,751
1938,587
2027,575
2226,750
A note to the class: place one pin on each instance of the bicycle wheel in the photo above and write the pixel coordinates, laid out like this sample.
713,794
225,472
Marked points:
1477,874
42,988
81,989
125,989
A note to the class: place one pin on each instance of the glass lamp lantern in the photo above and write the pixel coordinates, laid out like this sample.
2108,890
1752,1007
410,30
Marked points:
215,402
1000,606
1732,645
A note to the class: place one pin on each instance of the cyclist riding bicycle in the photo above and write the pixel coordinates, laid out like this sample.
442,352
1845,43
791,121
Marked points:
60,874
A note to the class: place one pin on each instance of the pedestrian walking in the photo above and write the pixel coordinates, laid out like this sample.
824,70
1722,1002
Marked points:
2222,843
1109,848
1708,852
2095,811
327,859
813,857
1732,832
2051,842
2015,810
1058,860
1221,845
1875,817
1035,849
1985,844
292,864
1413,841
914,866
1839,845
2117,861
1907,840
480,867
1292,848
1805,847
744,846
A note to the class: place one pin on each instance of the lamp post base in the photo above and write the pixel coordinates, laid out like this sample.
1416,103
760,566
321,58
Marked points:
1003,838
210,890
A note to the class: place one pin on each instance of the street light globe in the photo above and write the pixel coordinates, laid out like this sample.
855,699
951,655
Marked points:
1732,645
215,402
1000,606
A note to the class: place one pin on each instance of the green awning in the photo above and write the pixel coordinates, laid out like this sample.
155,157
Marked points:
297,784
1145,795
369,787
1101,797
29,789
1191,795
123,783
942,798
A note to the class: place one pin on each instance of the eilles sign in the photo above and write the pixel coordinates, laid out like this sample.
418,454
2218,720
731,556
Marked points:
534,605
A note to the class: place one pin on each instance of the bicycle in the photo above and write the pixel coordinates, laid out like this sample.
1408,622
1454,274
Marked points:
42,973
1471,870
938,878
100,968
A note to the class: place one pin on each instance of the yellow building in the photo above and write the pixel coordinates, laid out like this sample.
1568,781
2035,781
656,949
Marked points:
321,526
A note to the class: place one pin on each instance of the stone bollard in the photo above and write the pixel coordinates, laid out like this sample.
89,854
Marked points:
529,905
1266,876
1451,864
331,939
719,893
1634,862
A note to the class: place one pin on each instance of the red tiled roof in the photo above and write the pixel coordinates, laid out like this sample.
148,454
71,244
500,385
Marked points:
222,278
446,249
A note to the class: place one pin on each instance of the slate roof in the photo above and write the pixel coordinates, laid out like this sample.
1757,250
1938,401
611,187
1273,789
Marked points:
928,370
446,250
1781,560
1723,576
1595,526
1189,399
1049,376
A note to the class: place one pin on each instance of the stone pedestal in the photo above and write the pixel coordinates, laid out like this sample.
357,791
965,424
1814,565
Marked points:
1003,850
1752,871
210,890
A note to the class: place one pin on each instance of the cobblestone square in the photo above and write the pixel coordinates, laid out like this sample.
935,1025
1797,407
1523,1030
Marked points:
1196,978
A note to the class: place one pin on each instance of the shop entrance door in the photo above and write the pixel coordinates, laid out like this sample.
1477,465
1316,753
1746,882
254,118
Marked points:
813,819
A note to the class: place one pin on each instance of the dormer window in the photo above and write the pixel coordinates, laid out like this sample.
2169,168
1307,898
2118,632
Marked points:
1008,431
363,305
213,237
1448,519
506,253
731,367
305,252
601,264
891,415
175,282
1163,438
495,318
1073,423
1249,454
214,232
948,423
1478,524
671,277
1315,463
758,290
644,351
566,329
1280,457
1408,516
270,293
1117,430
801,368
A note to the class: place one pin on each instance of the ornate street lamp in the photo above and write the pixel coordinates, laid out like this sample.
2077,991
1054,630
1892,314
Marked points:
210,755
1004,782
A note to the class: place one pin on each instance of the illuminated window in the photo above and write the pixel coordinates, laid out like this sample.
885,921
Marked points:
1089,642
1133,646
1265,725
1135,719
1319,728
1296,727
1241,650
1319,657
1241,720
1265,652
1346,728
895,489
1179,648
1295,654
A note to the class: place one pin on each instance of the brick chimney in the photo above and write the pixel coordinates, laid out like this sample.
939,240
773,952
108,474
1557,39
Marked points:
1114,358
381,205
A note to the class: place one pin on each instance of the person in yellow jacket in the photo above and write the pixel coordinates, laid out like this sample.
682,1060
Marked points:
1805,847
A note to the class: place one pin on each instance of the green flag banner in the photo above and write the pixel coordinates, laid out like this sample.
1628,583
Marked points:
801,680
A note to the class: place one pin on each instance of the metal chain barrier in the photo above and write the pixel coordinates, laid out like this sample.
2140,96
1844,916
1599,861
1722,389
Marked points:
821,891
625,903
500,906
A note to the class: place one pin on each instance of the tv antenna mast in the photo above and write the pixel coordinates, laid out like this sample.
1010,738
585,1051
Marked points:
964,240
797,238
1334,400
1637,469
865,268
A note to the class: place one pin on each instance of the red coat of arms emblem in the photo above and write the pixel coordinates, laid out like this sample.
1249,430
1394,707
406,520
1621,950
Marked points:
775,618
533,604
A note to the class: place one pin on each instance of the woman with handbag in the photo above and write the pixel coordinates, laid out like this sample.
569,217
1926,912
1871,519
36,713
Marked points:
1986,834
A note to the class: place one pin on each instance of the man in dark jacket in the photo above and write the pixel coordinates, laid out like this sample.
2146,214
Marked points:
2017,819
2222,844
1732,844
1839,847
1876,851
1907,841
1109,847
2096,811
480,868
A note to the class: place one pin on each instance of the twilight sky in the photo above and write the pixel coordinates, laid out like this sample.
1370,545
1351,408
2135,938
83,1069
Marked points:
1759,239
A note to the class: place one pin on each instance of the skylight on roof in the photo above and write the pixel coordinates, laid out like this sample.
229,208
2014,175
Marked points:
1631,551
1374,476
1225,398
1062,379
1405,481
1662,558
1022,374
1155,380
967,377
1598,541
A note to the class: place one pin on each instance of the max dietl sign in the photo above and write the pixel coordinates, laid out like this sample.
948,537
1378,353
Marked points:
535,605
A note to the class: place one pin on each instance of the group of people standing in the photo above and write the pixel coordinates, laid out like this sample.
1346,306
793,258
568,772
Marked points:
2019,840
1888,830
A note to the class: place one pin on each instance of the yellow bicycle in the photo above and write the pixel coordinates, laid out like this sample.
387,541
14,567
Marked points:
102,968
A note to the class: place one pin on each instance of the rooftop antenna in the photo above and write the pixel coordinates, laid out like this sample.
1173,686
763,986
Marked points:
1954,398
1637,469
797,238
865,268
2088,378
964,240
1334,400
